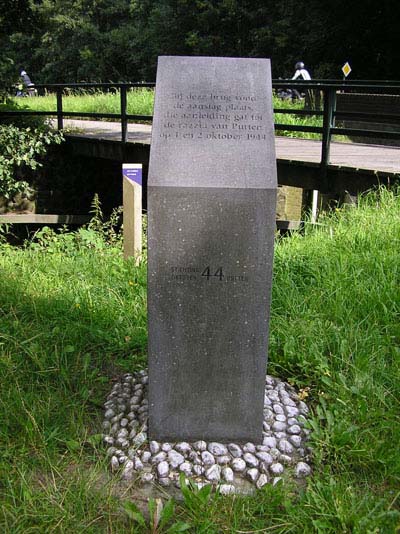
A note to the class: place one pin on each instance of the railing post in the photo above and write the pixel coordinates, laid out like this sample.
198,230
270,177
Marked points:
328,123
60,123
124,121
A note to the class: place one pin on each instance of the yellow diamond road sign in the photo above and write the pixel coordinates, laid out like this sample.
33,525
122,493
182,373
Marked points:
346,69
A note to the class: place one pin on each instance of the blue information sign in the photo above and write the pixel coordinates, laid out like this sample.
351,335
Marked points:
133,172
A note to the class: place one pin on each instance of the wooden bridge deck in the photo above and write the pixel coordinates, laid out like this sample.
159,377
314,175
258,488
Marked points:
351,155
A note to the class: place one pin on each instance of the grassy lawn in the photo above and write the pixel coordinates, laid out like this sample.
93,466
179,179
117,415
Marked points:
140,102
73,318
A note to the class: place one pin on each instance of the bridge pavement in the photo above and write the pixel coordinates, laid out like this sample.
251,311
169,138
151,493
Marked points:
351,155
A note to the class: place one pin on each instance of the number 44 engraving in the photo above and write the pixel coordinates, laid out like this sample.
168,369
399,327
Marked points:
218,273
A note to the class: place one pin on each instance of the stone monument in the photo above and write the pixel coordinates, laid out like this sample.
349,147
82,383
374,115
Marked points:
211,224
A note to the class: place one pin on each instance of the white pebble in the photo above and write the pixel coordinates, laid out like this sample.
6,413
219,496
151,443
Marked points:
269,441
265,457
138,464
127,473
213,473
139,439
281,418
292,421
295,429
114,463
146,457
291,411
208,458
175,459
198,470
109,414
227,474
166,447
285,447
253,474
278,409
183,447
124,422
238,465
287,401
116,419
303,408
235,450
108,440
250,459
186,468
273,395
163,469
276,469
295,440
123,433
249,447
154,447
268,416
262,480
111,451
164,481
159,457
194,457
278,426
276,480
200,445
133,433
275,453
114,428
217,449
302,470
147,477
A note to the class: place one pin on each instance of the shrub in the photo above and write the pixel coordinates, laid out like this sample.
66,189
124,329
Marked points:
20,150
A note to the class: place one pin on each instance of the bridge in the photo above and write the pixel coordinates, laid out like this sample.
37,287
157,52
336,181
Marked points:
353,166
325,165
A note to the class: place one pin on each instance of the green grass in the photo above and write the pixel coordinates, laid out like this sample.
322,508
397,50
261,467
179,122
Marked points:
73,318
139,101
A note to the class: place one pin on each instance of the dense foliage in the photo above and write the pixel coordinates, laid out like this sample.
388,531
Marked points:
20,150
115,40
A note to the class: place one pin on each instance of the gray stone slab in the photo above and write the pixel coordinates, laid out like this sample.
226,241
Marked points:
211,221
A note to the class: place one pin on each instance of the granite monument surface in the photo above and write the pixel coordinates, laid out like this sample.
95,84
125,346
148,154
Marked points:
211,224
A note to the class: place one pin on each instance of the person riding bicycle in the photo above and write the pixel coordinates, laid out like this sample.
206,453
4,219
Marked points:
302,73
26,87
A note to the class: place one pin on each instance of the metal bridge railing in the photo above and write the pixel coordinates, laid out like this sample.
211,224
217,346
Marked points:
325,107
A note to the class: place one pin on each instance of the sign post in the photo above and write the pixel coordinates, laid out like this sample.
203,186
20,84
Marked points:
132,214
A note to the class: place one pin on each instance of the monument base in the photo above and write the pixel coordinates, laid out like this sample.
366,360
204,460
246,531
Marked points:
234,468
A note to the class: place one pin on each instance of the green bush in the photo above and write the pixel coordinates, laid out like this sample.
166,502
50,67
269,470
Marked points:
20,150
